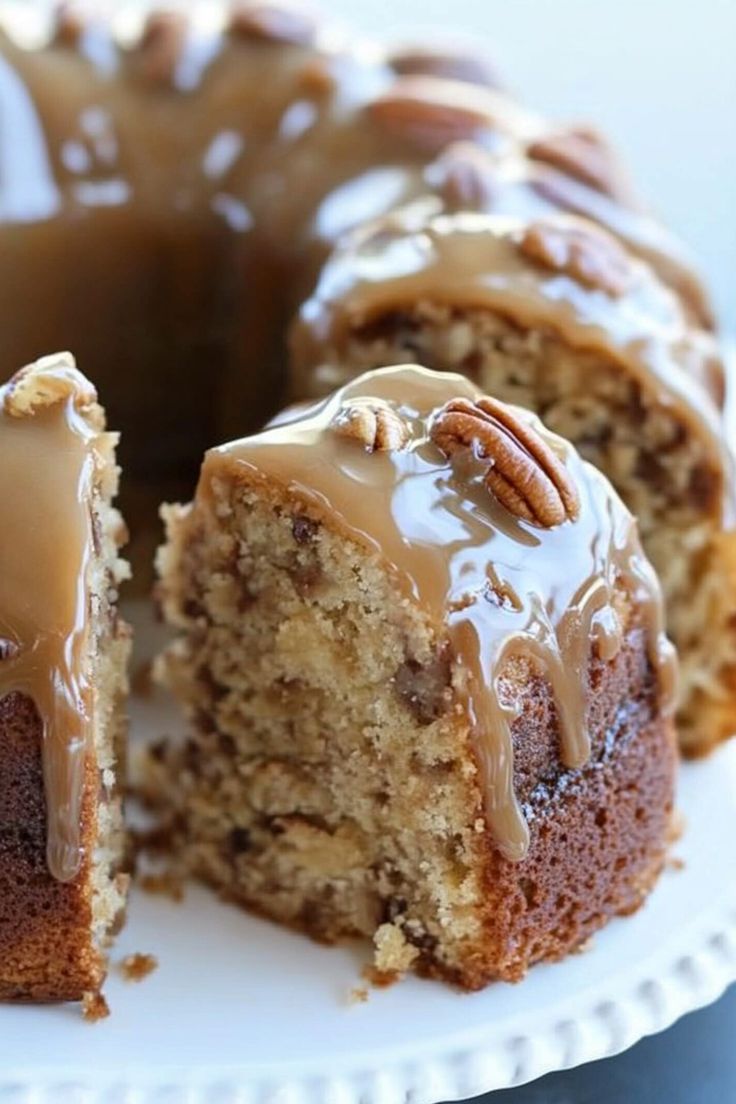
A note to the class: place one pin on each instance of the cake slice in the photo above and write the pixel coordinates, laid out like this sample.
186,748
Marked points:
554,314
427,687
63,653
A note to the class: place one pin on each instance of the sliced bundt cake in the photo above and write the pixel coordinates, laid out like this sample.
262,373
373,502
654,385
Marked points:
557,316
428,690
63,652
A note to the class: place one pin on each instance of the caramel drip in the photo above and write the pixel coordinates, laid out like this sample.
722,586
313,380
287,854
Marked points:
501,586
47,465
474,261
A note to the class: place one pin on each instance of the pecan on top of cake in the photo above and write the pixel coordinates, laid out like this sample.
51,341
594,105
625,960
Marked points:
374,424
583,252
523,471
280,22
455,64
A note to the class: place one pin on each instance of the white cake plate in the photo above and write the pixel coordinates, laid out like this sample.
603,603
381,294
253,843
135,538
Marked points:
242,1012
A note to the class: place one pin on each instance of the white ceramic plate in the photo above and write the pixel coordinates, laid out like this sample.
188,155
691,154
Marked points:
242,1012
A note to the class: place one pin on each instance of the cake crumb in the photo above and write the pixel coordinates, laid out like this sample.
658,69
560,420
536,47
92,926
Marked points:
677,827
94,1007
358,995
674,862
380,979
393,956
135,967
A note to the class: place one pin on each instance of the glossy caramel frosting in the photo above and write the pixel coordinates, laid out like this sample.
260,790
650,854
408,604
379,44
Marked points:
170,188
555,274
386,462
50,429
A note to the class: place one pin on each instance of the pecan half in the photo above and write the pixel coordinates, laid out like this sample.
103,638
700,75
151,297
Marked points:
584,154
161,45
453,64
463,177
524,474
431,112
373,424
275,22
316,81
584,252
68,25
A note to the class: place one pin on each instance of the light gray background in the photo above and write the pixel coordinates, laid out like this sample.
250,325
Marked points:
659,76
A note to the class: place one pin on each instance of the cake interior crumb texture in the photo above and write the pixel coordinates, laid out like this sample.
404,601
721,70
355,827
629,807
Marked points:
328,778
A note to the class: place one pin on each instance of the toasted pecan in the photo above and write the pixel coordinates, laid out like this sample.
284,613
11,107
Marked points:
315,80
68,26
273,22
463,177
584,154
457,65
431,112
523,473
584,252
374,424
161,45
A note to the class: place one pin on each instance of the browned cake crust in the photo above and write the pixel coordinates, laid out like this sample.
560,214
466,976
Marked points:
599,837
46,947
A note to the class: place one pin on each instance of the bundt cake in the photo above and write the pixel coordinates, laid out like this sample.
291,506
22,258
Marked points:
555,315
429,692
169,193
63,652
174,190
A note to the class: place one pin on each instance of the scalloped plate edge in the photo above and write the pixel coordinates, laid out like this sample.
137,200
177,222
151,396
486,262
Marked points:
692,980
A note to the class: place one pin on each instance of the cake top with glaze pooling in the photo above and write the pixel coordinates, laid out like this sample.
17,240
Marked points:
374,125
494,526
558,274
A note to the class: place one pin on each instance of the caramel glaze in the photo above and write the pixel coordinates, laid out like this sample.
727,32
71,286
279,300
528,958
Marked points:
500,587
472,260
49,428
169,195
